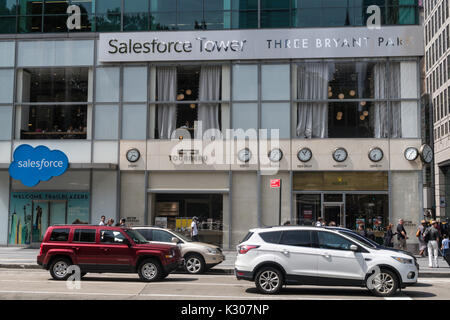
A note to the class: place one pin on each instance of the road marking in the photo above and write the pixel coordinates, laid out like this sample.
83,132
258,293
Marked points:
164,295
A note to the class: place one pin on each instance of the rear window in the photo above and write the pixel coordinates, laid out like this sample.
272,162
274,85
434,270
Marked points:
298,238
60,235
248,236
271,237
84,235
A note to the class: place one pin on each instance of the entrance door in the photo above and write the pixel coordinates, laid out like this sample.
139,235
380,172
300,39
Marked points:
334,212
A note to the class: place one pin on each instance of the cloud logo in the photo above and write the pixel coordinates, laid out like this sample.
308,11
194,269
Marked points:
33,165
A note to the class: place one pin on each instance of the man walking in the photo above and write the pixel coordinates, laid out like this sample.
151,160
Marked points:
194,229
432,235
102,221
401,235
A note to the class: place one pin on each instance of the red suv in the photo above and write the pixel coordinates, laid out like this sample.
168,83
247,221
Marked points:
101,249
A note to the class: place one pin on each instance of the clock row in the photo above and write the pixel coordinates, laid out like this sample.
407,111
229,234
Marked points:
305,154
341,154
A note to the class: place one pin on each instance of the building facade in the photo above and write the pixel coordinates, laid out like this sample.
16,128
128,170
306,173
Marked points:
437,66
299,91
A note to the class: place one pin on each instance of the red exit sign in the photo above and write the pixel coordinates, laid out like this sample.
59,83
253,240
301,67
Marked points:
275,183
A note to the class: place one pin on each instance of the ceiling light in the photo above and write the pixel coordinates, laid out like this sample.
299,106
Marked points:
180,96
352,93
341,96
188,92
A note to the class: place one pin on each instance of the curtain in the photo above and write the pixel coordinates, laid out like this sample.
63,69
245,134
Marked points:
167,91
387,123
209,90
312,84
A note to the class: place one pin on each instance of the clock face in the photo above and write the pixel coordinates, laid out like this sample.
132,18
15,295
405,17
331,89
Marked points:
133,155
275,155
426,153
340,155
304,155
245,155
411,153
375,154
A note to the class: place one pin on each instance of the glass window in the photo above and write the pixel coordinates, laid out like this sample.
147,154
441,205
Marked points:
270,237
245,4
275,82
308,208
55,23
163,21
111,236
108,6
245,116
213,5
297,238
55,6
30,24
328,240
163,5
106,122
190,5
161,236
244,19
135,6
245,82
347,120
217,20
275,18
107,85
28,7
7,85
60,235
146,233
135,84
409,116
190,20
276,116
84,235
5,122
107,22
8,7
370,210
6,53
7,25
135,22
134,122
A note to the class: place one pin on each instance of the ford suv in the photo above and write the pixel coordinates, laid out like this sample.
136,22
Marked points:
277,256
102,249
199,257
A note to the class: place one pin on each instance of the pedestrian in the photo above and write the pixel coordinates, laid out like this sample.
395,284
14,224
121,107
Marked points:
362,231
389,237
102,221
319,222
432,236
332,224
194,229
123,223
419,235
401,235
287,223
445,246
110,222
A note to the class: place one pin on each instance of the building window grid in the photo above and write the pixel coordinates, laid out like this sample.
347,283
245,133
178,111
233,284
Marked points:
37,19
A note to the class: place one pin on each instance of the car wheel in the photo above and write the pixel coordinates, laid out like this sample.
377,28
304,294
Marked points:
269,280
194,264
383,284
59,269
150,270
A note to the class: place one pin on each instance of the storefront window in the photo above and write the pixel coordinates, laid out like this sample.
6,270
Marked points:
175,212
192,85
44,114
308,208
135,15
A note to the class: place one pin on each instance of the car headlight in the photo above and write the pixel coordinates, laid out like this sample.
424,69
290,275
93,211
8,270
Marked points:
211,251
403,260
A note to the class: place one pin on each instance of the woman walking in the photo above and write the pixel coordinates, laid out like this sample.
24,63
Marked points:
389,237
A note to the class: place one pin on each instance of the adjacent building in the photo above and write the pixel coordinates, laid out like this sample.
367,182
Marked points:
120,86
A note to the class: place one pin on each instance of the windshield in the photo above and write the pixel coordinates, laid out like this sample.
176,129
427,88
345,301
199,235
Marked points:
179,235
359,238
136,236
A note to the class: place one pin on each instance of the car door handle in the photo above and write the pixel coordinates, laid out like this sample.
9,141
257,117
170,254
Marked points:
285,252
326,255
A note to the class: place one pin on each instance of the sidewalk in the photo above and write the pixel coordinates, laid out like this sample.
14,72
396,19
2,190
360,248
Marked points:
25,258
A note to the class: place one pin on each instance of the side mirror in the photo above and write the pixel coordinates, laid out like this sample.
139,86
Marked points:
354,248
175,240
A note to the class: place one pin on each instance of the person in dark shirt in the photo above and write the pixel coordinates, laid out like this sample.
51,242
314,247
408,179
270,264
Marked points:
401,235
389,236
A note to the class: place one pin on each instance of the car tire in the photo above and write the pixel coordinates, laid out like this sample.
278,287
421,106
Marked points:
383,284
269,280
194,263
150,270
58,269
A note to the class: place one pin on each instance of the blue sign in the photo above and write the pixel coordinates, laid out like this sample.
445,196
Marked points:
32,165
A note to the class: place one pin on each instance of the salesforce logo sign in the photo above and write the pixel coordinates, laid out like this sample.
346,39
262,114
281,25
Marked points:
32,165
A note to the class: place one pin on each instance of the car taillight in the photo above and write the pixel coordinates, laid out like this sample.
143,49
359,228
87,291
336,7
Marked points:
40,251
246,248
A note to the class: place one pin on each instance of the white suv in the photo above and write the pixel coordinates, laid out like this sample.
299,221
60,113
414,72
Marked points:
275,256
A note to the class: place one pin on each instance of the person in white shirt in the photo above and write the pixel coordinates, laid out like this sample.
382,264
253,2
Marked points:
102,221
194,229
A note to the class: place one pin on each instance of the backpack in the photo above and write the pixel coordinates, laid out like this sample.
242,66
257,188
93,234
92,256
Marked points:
426,235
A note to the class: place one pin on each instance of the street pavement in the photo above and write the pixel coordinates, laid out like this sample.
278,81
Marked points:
18,284
25,258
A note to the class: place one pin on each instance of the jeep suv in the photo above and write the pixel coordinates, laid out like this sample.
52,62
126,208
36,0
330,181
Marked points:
275,256
101,249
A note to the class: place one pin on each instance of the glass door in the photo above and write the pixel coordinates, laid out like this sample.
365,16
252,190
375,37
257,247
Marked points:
334,212
58,212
